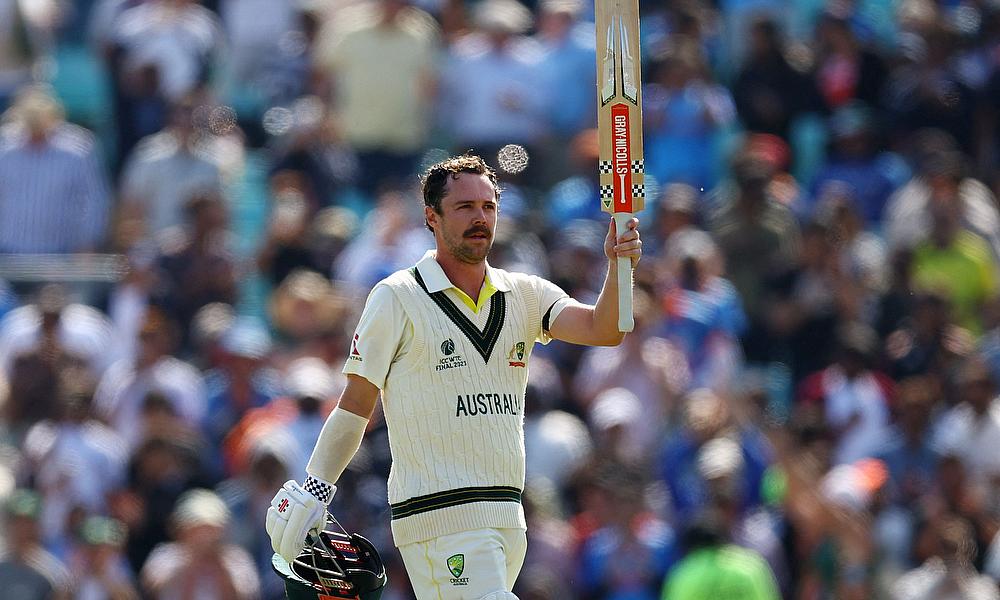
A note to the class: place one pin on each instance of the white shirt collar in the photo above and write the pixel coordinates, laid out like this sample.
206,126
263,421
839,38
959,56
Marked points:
435,279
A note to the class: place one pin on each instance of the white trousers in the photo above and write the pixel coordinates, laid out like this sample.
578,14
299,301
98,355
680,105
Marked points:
465,566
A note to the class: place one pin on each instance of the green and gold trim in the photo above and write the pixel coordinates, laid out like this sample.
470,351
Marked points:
484,341
456,497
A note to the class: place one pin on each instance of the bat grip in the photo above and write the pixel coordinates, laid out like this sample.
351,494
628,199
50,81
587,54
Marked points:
625,320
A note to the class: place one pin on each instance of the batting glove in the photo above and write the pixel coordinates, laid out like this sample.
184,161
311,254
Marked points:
295,511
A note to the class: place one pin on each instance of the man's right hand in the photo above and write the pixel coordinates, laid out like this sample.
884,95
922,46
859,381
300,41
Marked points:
294,512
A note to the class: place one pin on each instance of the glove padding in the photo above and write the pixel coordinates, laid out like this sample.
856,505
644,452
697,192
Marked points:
294,512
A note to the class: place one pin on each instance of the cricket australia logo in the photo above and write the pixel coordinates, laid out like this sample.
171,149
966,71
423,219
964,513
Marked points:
456,564
450,360
515,358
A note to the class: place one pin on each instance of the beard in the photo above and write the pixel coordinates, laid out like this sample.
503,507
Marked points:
468,249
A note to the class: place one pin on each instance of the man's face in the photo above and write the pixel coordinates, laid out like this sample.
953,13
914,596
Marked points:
468,219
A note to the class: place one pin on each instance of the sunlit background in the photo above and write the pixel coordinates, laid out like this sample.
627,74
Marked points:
196,198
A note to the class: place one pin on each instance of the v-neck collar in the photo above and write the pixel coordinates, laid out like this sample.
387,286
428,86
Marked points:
484,341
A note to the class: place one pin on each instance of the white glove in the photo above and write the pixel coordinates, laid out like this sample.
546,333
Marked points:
294,512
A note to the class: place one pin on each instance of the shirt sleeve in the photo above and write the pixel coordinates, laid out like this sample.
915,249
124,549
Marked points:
551,301
382,335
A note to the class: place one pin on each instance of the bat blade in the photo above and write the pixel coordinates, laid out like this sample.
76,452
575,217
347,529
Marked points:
619,118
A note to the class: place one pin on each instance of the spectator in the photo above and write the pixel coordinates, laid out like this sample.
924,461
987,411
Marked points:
972,428
58,328
676,211
560,440
25,566
860,252
577,196
955,261
287,246
684,114
910,456
756,235
948,572
657,377
492,91
805,302
196,266
394,239
77,461
769,91
199,561
306,306
264,40
567,67
940,178
624,527
695,455
854,397
712,568
248,496
703,314
382,67
927,90
855,162
99,568
912,465
846,70
35,372
181,38
312,385
168,168
143,108
123,389
242,381
53,191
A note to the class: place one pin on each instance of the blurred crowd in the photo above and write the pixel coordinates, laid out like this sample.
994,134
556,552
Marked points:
808,408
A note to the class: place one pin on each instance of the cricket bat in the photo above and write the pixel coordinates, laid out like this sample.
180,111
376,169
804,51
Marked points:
619,127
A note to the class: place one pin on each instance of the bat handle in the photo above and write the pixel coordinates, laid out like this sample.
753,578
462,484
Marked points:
625,320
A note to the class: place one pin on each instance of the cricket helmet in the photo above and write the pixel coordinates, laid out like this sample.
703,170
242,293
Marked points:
333,565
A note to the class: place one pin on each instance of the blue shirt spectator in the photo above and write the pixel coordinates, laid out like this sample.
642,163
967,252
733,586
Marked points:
54,195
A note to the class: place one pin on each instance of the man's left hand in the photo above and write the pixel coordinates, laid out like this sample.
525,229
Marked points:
627,244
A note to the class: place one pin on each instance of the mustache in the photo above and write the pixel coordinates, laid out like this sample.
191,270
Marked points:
474,230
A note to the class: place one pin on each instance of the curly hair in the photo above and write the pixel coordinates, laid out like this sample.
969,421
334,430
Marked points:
435,178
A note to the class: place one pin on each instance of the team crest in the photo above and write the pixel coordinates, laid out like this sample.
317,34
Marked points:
456,564
515,357
448,347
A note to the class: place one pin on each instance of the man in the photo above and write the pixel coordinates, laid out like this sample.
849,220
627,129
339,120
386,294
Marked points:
168,168
382,68
27,570
199,562
493,89
54,195
453,379
714,569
